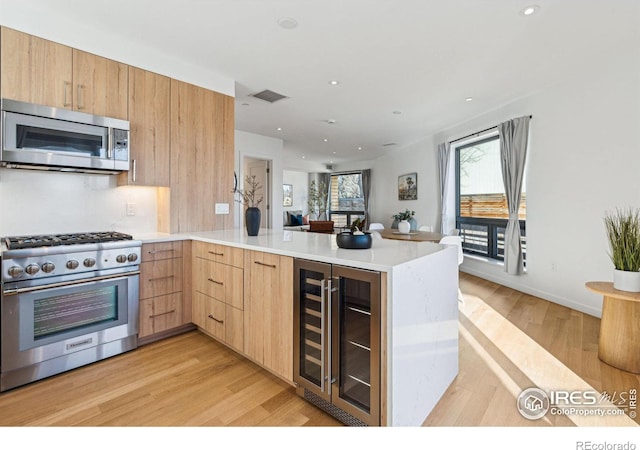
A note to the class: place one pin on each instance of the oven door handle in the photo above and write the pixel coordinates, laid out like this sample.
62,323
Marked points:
68,283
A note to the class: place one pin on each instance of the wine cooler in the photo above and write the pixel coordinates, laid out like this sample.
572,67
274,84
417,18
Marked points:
337,340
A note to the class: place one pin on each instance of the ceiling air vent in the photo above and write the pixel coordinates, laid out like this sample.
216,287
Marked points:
269,96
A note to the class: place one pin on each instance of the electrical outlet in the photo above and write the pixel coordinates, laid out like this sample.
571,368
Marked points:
222,208
131,209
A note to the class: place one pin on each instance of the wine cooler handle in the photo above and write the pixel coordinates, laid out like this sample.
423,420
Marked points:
323,330
329,332
333,286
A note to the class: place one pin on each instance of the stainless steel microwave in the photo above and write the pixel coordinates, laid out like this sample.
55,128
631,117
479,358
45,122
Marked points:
36,136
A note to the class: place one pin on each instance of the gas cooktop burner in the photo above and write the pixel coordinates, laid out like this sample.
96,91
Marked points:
50,240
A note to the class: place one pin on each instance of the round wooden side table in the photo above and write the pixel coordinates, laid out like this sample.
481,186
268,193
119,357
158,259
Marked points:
619,341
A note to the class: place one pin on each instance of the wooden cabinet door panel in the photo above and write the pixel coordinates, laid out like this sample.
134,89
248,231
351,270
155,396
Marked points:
149,119
100,85
161,250
234,327
35,70
231,256
211,315
145,327
167,312
160,277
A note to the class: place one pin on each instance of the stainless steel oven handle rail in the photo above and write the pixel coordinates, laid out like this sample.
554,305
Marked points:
68,283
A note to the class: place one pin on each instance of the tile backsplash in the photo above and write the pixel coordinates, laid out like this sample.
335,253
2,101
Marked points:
39,202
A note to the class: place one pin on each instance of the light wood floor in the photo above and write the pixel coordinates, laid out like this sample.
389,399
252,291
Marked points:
508,341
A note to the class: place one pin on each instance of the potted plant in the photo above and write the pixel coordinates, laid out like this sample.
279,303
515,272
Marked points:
623,233
405,215
249,198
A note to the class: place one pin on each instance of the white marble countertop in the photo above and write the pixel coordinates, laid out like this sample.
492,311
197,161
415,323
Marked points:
384,254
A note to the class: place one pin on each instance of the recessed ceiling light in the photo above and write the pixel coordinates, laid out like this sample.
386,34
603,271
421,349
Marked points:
326,140
279,128
288,23
303,157
530,10
468,99
334,153
359,148
334,82
331,121
331,162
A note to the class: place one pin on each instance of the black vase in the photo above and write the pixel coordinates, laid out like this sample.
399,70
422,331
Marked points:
252,220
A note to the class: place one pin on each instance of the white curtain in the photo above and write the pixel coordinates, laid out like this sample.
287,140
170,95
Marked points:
444,152
514,135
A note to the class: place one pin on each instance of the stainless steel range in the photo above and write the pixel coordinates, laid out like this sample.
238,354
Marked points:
66,301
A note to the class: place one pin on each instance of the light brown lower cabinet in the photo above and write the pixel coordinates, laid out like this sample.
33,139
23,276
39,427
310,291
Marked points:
268,311
162,300
218,293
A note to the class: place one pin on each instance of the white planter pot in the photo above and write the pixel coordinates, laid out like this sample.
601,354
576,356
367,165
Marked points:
626,281
404,227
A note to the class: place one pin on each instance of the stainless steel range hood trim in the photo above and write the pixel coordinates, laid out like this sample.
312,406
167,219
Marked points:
8,165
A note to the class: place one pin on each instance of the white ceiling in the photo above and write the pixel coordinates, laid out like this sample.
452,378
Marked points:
421,58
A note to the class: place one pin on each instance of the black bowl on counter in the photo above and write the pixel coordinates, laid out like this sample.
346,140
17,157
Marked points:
354,241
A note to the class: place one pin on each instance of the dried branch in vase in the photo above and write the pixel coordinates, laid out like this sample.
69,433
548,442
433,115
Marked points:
248,197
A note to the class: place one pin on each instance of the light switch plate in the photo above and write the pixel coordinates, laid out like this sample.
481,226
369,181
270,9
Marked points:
222,208
131,209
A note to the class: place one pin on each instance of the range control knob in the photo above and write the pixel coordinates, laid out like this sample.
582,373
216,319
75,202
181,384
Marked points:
121,258
48,267
32,269
132,257
72,264
89,262
15,271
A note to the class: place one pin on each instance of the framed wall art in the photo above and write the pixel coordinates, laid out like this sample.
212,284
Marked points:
287,192
408,186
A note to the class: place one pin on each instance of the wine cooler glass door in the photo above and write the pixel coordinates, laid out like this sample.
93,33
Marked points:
311,312
356,342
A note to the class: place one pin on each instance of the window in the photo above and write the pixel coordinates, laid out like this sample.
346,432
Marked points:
481,206
346,202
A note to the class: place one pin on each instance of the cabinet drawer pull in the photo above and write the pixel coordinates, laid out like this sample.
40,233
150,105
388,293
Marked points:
217,320
273,266
160,251
66,103
160,278
162,314
216,282
216,254
79,104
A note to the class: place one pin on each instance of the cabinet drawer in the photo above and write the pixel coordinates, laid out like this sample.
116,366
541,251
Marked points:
160,277
160,313
232,256
209,314
220,281
161,250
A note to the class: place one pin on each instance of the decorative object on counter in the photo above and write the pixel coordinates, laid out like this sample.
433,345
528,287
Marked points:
357,225
318,197
623,233
408,186
404,227
406,215
287,195
248,197
354,240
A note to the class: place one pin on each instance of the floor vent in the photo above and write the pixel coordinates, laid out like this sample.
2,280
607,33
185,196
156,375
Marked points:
269,96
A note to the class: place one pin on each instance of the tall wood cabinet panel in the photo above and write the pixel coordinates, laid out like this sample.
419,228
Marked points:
35,70
268,311
202,158
39,71
149,103
101,85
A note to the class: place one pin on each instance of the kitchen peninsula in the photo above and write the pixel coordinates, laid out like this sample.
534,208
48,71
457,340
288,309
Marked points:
418,337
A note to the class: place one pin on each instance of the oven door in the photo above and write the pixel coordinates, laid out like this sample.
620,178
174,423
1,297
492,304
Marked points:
45,322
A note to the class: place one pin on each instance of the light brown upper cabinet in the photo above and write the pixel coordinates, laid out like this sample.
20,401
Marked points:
149,103
39,71
202,152
35,70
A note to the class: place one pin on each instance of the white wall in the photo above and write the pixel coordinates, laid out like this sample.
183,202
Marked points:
300,182
583,160
36,202
249,145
